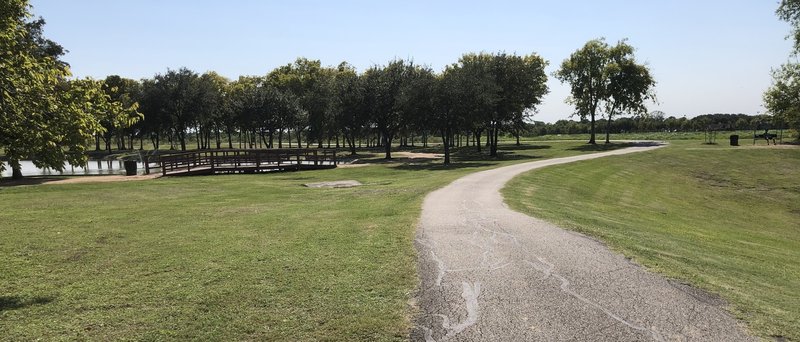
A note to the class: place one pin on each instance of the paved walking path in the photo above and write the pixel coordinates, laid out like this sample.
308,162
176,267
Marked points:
491,274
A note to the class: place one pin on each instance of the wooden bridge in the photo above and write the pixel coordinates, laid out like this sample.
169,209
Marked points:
207,162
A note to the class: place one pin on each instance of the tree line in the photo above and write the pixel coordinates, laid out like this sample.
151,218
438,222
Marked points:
48,116
658,122
307,103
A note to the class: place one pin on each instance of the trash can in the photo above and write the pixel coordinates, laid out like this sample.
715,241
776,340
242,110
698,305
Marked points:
734,140
130,167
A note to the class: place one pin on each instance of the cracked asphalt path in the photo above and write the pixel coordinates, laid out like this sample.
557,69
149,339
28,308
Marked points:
491,274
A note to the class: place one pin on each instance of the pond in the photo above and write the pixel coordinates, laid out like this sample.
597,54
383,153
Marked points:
93,167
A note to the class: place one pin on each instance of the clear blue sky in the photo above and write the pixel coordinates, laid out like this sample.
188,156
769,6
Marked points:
708,56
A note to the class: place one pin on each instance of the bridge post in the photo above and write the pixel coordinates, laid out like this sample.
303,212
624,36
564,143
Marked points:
211,159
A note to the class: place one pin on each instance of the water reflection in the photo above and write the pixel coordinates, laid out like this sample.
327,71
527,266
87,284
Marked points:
93,167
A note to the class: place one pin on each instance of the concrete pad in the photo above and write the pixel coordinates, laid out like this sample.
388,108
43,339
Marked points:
334,184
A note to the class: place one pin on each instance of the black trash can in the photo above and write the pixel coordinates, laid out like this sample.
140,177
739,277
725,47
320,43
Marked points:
130,167
734,140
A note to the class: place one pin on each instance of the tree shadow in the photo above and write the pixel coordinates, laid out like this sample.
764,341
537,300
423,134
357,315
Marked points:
440,166
608,147
30,180
523,147
17,302
502,155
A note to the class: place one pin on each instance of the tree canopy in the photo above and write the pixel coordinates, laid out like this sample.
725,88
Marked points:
782,99
604,77
789,11
43,115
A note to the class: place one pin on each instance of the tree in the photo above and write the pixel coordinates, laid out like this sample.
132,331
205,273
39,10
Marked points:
177,94
449,111
116,120
42,115
522,83
384,86
629,84
585,71
782,99
605,77
310,83
210,96
349,108
789,11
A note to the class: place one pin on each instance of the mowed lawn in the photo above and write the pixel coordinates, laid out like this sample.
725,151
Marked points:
230,257
720,218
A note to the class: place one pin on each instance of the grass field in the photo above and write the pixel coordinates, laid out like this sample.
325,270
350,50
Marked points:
232,257
720,218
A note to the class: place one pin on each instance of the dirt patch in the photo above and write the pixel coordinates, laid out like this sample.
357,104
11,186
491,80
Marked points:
417,155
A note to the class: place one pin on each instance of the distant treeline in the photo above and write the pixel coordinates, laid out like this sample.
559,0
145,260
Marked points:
657,122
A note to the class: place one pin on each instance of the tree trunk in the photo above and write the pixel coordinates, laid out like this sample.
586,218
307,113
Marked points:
478,134
97,142
493,146
298,139
352,141
280,138
16,172
182,137
388,145
591,137
199,137
445,135
608,130
271,138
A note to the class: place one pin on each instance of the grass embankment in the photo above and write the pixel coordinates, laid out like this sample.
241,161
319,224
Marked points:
233,257
723,219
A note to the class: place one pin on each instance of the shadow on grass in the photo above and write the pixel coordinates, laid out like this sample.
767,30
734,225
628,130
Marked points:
610,147
502,154
439,166
30,180
16,302
523,147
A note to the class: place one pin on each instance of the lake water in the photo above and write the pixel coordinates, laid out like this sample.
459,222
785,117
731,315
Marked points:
93,167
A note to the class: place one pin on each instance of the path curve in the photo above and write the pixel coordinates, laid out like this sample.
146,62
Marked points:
491,274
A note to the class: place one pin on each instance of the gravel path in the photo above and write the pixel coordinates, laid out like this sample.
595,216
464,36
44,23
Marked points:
491,274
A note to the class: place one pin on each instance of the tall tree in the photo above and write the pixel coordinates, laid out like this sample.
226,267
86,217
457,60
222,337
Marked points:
384,86
125,91
178,94
349,107
782,99
585,71
630,84
42,116
311,84
789,11
210,97
450,104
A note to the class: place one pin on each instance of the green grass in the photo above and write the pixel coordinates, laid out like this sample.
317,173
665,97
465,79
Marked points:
723,219
745,137
231,257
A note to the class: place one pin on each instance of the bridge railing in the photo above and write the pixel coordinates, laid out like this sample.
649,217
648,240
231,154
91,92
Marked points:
233,159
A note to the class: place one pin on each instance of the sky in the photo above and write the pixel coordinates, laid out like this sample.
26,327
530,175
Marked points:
708,56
